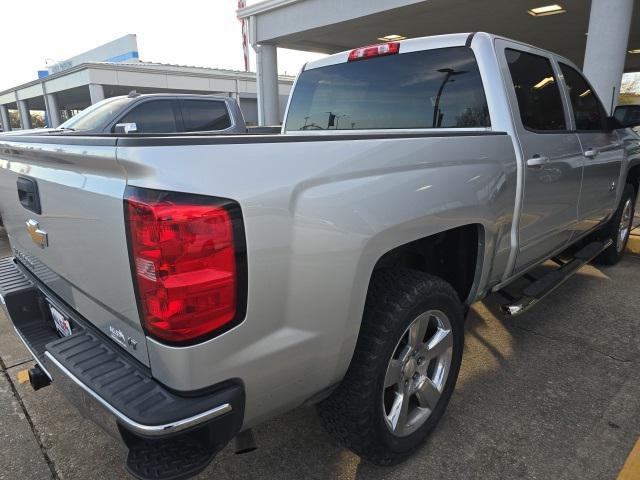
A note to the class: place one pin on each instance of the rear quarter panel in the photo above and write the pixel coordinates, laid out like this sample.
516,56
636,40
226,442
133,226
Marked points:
318,214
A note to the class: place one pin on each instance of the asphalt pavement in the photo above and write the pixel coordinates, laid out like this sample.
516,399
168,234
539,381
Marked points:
552,394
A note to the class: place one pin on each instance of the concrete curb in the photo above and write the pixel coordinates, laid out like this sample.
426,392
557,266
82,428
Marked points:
634,242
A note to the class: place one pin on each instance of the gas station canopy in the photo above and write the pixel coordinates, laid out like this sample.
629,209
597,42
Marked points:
602,35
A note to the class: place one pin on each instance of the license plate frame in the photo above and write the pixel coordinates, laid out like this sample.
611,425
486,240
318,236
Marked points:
60,321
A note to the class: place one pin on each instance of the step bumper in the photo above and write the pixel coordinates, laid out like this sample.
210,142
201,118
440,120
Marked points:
107,384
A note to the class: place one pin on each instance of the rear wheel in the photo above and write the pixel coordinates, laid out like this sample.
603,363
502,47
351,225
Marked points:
619,228
404,368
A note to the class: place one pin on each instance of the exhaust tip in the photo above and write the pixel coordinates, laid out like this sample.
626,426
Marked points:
37,378
245,442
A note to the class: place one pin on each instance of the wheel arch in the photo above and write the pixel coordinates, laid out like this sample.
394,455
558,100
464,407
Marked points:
633,175
455,255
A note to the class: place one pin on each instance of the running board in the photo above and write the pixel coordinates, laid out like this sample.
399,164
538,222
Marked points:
543,286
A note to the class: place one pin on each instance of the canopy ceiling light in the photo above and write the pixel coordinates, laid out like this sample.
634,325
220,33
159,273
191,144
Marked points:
391,38
546,10
543,83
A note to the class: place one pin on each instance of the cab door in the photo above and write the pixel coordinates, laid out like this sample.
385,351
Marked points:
153,116
602,151
551,153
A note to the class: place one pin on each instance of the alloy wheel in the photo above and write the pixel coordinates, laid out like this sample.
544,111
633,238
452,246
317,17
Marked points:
625,226
417,373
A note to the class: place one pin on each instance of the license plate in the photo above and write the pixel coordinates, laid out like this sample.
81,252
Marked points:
60,321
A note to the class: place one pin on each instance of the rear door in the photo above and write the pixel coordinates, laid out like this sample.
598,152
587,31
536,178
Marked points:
552,152
601,148
204,115
70,192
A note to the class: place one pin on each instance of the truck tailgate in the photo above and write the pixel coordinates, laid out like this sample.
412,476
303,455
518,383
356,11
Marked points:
84,259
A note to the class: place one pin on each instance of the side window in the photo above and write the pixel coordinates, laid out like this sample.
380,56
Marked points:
204,115
536,90
154,116
588,113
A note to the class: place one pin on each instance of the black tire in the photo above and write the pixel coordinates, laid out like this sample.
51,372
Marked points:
354,413
611,230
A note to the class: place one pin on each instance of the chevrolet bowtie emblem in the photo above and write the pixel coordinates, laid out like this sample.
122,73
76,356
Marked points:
38,236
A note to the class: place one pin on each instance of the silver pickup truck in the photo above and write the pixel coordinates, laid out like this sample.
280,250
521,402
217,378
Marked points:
182,289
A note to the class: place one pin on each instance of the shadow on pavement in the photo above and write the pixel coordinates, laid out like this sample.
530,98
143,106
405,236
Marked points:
554,393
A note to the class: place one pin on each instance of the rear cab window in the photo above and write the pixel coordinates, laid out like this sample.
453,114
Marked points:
439,88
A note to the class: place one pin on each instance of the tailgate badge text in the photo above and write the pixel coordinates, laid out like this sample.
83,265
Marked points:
119,337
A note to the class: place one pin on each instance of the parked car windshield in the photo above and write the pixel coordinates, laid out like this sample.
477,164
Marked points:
438,88
96,115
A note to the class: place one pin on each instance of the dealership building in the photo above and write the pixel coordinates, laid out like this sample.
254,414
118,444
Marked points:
601,35
115,69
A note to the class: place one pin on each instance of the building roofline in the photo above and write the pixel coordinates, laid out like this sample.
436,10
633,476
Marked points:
147,67
264,6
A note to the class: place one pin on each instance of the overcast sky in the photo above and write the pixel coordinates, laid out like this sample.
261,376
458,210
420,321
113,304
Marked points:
190,32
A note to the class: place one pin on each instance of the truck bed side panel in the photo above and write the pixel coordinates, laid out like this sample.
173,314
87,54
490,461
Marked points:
319,212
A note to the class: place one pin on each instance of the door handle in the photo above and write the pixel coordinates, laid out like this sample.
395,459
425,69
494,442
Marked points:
537,162
591,153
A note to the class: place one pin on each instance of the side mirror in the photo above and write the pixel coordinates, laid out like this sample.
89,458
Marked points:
613,124
628,116
125,128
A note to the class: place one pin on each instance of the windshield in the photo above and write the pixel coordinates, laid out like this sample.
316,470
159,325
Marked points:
96,115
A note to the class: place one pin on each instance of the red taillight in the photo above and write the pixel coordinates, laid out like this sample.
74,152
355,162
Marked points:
184,264
371,51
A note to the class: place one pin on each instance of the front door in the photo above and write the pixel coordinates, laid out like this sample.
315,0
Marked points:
551,153
601,148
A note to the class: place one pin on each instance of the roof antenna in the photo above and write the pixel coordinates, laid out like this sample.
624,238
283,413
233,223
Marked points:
133,94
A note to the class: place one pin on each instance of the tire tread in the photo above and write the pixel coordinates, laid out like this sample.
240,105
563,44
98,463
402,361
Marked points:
349,414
